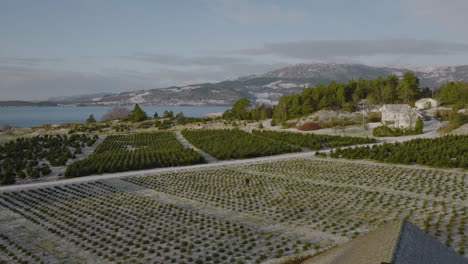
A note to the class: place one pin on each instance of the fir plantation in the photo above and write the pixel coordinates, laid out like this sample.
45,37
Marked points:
257,184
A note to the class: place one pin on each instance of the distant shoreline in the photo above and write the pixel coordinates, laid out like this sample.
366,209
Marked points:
32,116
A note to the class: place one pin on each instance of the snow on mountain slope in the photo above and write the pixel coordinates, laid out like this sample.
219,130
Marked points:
268,87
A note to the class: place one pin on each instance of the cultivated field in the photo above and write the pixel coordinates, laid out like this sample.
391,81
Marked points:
235,144
135,152
31,158
442,152
233,214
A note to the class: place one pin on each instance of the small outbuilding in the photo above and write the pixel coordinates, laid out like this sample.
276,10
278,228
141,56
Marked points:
426,103
399,115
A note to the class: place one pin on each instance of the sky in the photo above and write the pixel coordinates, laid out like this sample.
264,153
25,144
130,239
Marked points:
52,48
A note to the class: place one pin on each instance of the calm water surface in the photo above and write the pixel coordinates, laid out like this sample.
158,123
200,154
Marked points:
29,116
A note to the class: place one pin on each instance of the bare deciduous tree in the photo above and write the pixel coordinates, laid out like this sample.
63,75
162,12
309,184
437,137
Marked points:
114,113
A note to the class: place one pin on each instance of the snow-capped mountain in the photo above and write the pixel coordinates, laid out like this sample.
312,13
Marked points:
268,87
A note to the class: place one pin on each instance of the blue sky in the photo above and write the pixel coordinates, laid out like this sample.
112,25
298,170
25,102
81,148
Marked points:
66,47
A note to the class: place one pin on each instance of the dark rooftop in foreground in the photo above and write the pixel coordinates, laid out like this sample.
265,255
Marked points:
395,243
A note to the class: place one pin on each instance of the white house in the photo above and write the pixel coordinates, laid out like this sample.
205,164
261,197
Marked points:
426,103
400,115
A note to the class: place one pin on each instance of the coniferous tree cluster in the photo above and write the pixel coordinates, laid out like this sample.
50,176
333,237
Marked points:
134,152
137,114
243,110
232,144
313,141
446,152
91,119
454,93
26,157
345,96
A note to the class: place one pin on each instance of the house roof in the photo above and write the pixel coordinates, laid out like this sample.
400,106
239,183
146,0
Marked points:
426,99
402,108
399,242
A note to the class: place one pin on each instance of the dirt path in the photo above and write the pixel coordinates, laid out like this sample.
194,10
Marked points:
153,171
185,143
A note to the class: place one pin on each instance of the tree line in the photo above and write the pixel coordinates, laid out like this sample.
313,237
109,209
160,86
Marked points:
346,96
454,93
390,90
446,152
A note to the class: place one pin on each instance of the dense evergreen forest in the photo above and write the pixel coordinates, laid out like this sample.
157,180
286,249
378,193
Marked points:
313,141
390,90
445,152
243,110
32,157
134,152
454,93
232,144
345,96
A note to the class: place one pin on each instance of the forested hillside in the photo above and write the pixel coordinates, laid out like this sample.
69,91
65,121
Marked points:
346,96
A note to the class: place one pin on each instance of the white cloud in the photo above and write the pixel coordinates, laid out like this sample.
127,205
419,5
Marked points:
26,61
175,60
333,49
26,83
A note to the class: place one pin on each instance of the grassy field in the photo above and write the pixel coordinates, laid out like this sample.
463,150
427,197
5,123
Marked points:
237,214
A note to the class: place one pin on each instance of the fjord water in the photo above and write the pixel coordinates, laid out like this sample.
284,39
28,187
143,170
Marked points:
29,116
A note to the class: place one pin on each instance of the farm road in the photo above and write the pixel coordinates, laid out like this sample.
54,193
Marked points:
185,143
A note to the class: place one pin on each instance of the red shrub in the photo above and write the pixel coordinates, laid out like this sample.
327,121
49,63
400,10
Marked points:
308,126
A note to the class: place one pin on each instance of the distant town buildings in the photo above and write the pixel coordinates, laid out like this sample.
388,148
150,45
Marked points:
426,103
399,115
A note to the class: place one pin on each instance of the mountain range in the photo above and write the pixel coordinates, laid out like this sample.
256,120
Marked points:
268,87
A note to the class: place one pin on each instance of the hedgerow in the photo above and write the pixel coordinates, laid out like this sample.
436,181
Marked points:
134,152
231,144
445,152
